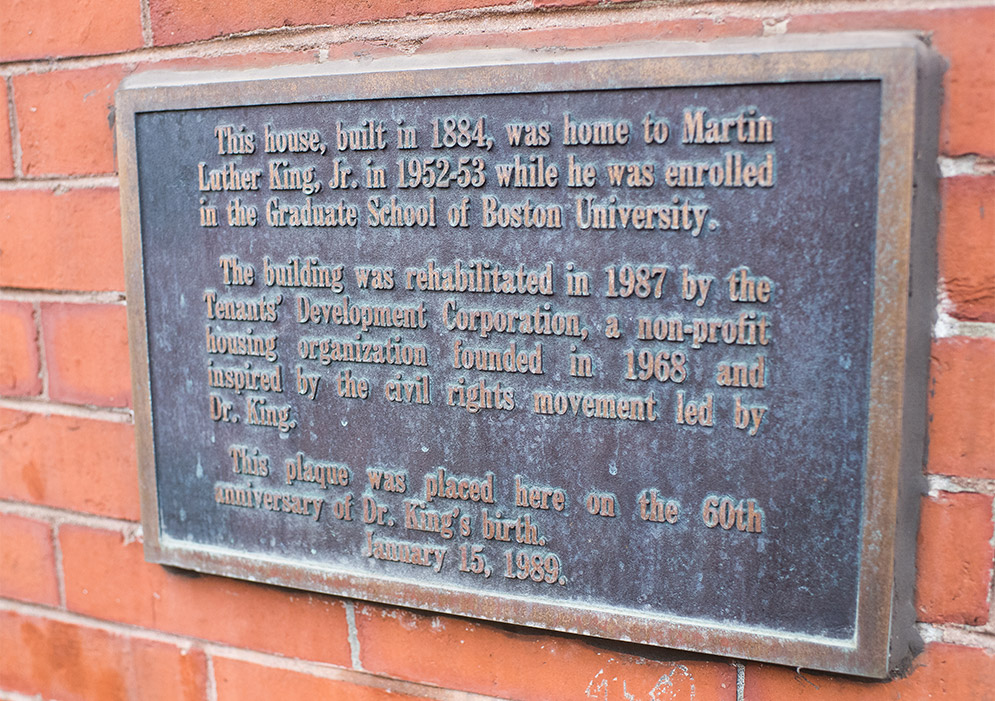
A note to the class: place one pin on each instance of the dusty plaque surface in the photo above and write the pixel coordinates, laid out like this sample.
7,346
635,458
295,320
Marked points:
616,345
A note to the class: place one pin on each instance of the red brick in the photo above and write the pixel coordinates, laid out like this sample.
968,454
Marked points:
254,616
489,659
6,152
67,241
942,672
69,463
86,351
954,559
966,38
179,21
68,28
19,366
27,561
967,246
962,407
67,661
66,120
243,681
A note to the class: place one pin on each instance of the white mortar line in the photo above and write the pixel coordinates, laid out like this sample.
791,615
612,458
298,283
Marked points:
947,327
147,37
39,346
350,617
958,635
60,576
47,408
960,485
212,680
970,164
15,141
68,296
63,517
60,183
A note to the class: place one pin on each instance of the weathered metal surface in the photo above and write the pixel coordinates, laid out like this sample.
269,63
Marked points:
615,346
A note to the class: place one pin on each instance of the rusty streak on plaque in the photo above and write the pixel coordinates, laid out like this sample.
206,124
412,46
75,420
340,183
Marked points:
619,343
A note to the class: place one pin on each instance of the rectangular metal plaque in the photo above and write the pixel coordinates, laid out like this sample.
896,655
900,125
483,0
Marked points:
615,343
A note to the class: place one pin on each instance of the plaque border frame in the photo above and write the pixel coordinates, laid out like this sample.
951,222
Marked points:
884,636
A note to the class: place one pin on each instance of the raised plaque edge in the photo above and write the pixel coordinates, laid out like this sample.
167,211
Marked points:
903,305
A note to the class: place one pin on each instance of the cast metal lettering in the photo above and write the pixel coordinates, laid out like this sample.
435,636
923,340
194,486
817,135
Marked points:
551,343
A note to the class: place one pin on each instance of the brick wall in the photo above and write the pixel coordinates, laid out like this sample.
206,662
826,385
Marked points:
82,616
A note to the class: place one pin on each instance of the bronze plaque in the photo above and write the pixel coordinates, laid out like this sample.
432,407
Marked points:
605,343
